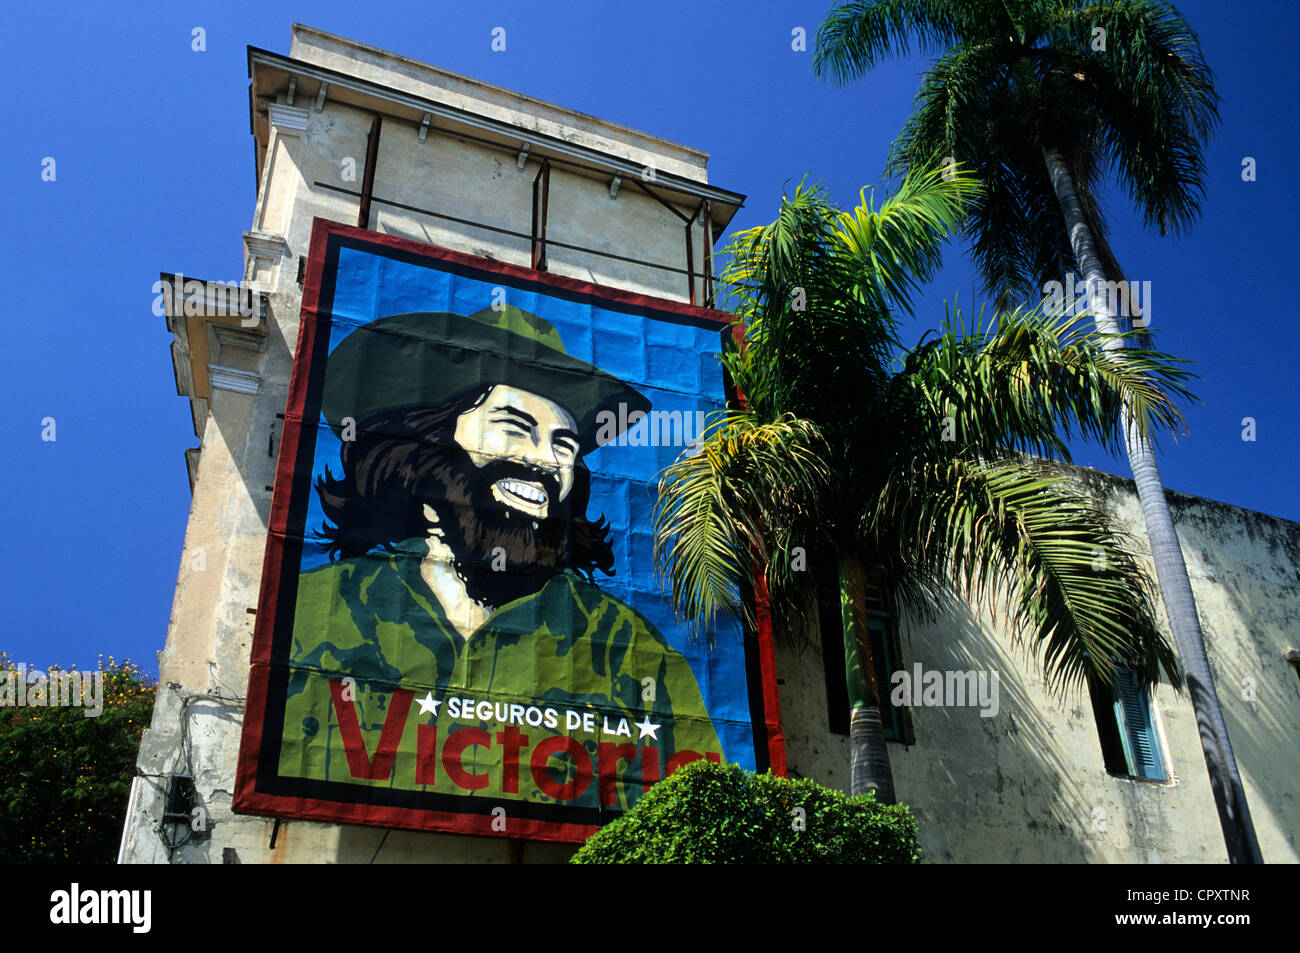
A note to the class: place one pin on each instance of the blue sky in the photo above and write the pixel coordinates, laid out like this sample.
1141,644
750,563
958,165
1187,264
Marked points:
154,172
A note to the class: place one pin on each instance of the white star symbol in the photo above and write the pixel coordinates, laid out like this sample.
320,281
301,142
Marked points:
647,728
427,704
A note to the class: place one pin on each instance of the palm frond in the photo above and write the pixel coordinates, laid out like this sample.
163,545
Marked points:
1017,531
819,291
716,506
895,249
1028,380
855,36
1013,78
1156,100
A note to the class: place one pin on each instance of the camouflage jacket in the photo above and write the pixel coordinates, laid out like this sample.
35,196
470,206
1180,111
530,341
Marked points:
565,696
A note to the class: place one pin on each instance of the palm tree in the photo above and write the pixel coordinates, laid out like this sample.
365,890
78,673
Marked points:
1039,98
912,463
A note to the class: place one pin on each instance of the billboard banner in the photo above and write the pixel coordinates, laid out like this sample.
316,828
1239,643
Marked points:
459,626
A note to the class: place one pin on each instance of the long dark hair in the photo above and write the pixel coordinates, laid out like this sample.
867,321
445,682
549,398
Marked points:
393,468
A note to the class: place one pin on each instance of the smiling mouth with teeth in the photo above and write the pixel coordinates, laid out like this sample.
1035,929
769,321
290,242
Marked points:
530,497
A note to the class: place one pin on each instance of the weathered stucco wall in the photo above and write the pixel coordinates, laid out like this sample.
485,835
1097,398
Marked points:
463,92
1028,785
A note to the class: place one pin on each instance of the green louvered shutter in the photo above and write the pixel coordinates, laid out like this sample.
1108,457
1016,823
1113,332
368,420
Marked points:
1137,729
883,661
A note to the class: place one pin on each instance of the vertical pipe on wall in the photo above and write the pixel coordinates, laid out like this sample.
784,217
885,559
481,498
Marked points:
541,200
707,221
690,258
368,180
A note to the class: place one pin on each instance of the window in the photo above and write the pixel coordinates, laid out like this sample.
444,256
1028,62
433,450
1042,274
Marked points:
1129,745
884,653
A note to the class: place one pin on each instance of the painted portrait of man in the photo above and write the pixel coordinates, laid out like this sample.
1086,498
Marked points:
463,579
459,624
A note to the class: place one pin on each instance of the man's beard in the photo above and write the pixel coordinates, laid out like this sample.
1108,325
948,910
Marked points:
500,553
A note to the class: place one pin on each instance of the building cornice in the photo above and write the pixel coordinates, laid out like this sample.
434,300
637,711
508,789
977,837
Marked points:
512,136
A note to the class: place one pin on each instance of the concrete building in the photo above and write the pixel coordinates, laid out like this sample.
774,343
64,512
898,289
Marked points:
1035,783
353,134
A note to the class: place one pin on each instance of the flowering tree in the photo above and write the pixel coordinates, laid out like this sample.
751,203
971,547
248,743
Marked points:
67,755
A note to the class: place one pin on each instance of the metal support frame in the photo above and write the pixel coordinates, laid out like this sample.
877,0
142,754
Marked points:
659,198
690,257
541,196
368,180
498,230
541,201
538,240
703,213
707,221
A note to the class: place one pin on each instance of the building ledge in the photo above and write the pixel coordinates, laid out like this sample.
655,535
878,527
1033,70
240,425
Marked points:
208,319
434,101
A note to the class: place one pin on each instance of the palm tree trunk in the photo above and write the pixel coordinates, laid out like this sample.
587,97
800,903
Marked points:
1175,587
868,756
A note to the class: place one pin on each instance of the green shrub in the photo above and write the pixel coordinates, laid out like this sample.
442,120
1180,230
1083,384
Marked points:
712,814
64,777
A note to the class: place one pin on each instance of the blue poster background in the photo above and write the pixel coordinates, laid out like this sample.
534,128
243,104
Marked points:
672,364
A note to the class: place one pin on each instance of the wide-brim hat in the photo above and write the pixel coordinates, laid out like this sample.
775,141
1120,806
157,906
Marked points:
425,358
